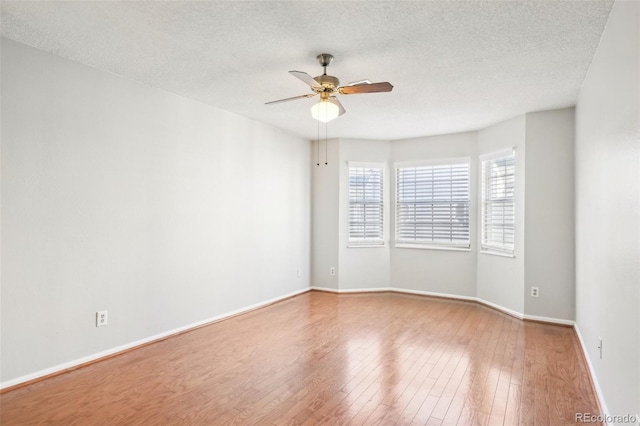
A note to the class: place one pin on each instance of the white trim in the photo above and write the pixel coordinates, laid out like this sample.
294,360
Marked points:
495,306
327,289
434,294
385,195
435,162
352,290
547,319
501,308
494,249
367,164
508,152
364,290
160,336
592,371
423,246
494,252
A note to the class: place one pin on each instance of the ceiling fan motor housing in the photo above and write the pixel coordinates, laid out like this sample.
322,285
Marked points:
327,81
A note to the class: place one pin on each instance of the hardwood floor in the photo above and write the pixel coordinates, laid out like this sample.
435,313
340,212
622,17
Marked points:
322,358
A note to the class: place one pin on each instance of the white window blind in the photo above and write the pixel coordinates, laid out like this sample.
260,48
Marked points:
432,205
366,205
498,204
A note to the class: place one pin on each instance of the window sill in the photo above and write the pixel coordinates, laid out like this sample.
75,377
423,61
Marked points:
429,247
355,245
498,253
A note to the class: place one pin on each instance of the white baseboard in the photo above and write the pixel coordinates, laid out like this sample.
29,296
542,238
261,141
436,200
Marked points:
352,290
551,320
495,306
433,294
327,289
394,289
501,308
93,357
592,372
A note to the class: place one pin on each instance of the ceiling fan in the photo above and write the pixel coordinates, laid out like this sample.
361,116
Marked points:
327,86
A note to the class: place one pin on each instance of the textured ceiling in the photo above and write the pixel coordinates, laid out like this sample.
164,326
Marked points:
455,65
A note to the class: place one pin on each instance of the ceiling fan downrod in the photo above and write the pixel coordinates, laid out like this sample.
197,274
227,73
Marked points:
324,59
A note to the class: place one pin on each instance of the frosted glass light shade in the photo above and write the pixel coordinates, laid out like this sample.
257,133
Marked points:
325,111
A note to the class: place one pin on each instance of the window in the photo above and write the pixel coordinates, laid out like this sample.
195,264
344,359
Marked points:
432,205
498,203
366,204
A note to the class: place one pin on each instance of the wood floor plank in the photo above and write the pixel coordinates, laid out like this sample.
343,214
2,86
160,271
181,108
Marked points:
322,358
512,410
424,413
455,395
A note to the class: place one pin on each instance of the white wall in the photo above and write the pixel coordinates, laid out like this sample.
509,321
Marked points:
325,206
119,196
549,239
501,279
437,271
361,267
607,183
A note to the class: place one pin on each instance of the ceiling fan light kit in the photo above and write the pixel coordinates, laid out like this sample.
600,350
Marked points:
325,111
327,86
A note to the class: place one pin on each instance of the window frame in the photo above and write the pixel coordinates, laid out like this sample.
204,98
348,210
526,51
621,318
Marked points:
366,242
434,244
490,247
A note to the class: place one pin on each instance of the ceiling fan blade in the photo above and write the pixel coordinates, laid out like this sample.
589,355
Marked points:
291,99
355,83
335,101
303,76
366,88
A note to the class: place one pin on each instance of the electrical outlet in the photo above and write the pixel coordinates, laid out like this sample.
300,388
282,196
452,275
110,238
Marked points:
101,318
299,273
332,271
535,291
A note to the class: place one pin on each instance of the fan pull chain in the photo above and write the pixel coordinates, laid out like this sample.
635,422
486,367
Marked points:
326,161
318,146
